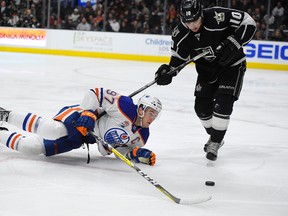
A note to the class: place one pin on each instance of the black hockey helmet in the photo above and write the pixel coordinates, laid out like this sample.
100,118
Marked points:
190,10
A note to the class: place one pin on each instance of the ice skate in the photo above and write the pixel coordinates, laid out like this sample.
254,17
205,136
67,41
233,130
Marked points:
4,114
212,150
3,129
208,143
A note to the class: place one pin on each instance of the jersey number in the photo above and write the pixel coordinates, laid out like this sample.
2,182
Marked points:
113,94
236,18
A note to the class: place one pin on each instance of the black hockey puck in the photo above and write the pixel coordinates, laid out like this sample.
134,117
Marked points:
210,183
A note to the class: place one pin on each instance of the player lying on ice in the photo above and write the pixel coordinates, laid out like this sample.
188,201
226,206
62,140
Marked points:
125,126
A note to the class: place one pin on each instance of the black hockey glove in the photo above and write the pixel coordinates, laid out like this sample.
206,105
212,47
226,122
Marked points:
227,50
162,77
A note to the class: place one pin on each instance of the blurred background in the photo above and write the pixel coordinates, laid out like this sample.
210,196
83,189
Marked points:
134,16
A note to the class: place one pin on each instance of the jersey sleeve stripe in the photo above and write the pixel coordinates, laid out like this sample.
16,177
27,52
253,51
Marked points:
99,95
63,115
97,92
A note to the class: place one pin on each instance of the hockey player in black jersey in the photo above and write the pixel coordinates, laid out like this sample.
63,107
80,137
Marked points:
223,32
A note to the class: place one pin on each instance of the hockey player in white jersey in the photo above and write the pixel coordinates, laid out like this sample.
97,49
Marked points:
125,126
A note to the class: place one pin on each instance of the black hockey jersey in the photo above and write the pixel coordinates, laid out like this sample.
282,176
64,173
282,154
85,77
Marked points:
218,24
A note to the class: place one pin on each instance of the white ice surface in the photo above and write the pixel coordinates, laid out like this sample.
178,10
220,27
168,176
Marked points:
251,172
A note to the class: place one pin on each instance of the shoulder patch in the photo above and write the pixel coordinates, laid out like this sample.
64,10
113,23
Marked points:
220,17
175,31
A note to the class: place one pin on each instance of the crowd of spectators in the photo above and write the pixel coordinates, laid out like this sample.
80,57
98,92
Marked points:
135,16
276,19
16,13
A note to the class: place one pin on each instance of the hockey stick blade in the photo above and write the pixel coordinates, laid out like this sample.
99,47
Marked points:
196,200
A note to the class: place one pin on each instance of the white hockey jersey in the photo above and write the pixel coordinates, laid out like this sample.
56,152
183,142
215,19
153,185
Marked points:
117,126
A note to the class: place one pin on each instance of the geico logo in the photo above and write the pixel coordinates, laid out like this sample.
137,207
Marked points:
267,51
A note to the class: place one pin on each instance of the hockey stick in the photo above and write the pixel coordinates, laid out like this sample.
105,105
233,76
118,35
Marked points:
137,169
180,67
177,200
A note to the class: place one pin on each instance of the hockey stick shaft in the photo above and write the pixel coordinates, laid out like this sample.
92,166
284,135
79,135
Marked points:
137,169
180,67
195,200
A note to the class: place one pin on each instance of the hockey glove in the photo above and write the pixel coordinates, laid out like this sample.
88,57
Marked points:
86,122
228,50
143,155
162,77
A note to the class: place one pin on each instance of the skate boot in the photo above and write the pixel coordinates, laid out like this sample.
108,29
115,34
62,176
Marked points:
3,129
206,145
211,148
4,114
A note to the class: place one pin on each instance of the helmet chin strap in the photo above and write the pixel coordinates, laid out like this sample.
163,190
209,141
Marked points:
141,117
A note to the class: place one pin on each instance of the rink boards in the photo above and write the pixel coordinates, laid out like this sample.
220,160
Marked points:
143,47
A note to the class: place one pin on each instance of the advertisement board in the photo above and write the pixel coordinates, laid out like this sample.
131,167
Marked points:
148,47
267,52
23,37
122,43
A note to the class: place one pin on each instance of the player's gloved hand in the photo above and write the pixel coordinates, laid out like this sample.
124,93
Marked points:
143,155
86,122
162,77
227,50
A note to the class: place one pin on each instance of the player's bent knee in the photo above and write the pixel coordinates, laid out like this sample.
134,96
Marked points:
224,104
203,107
51,129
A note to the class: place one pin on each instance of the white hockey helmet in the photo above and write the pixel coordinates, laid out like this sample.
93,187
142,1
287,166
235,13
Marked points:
150,101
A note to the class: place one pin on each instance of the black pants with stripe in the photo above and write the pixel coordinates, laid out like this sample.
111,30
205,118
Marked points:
216,98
